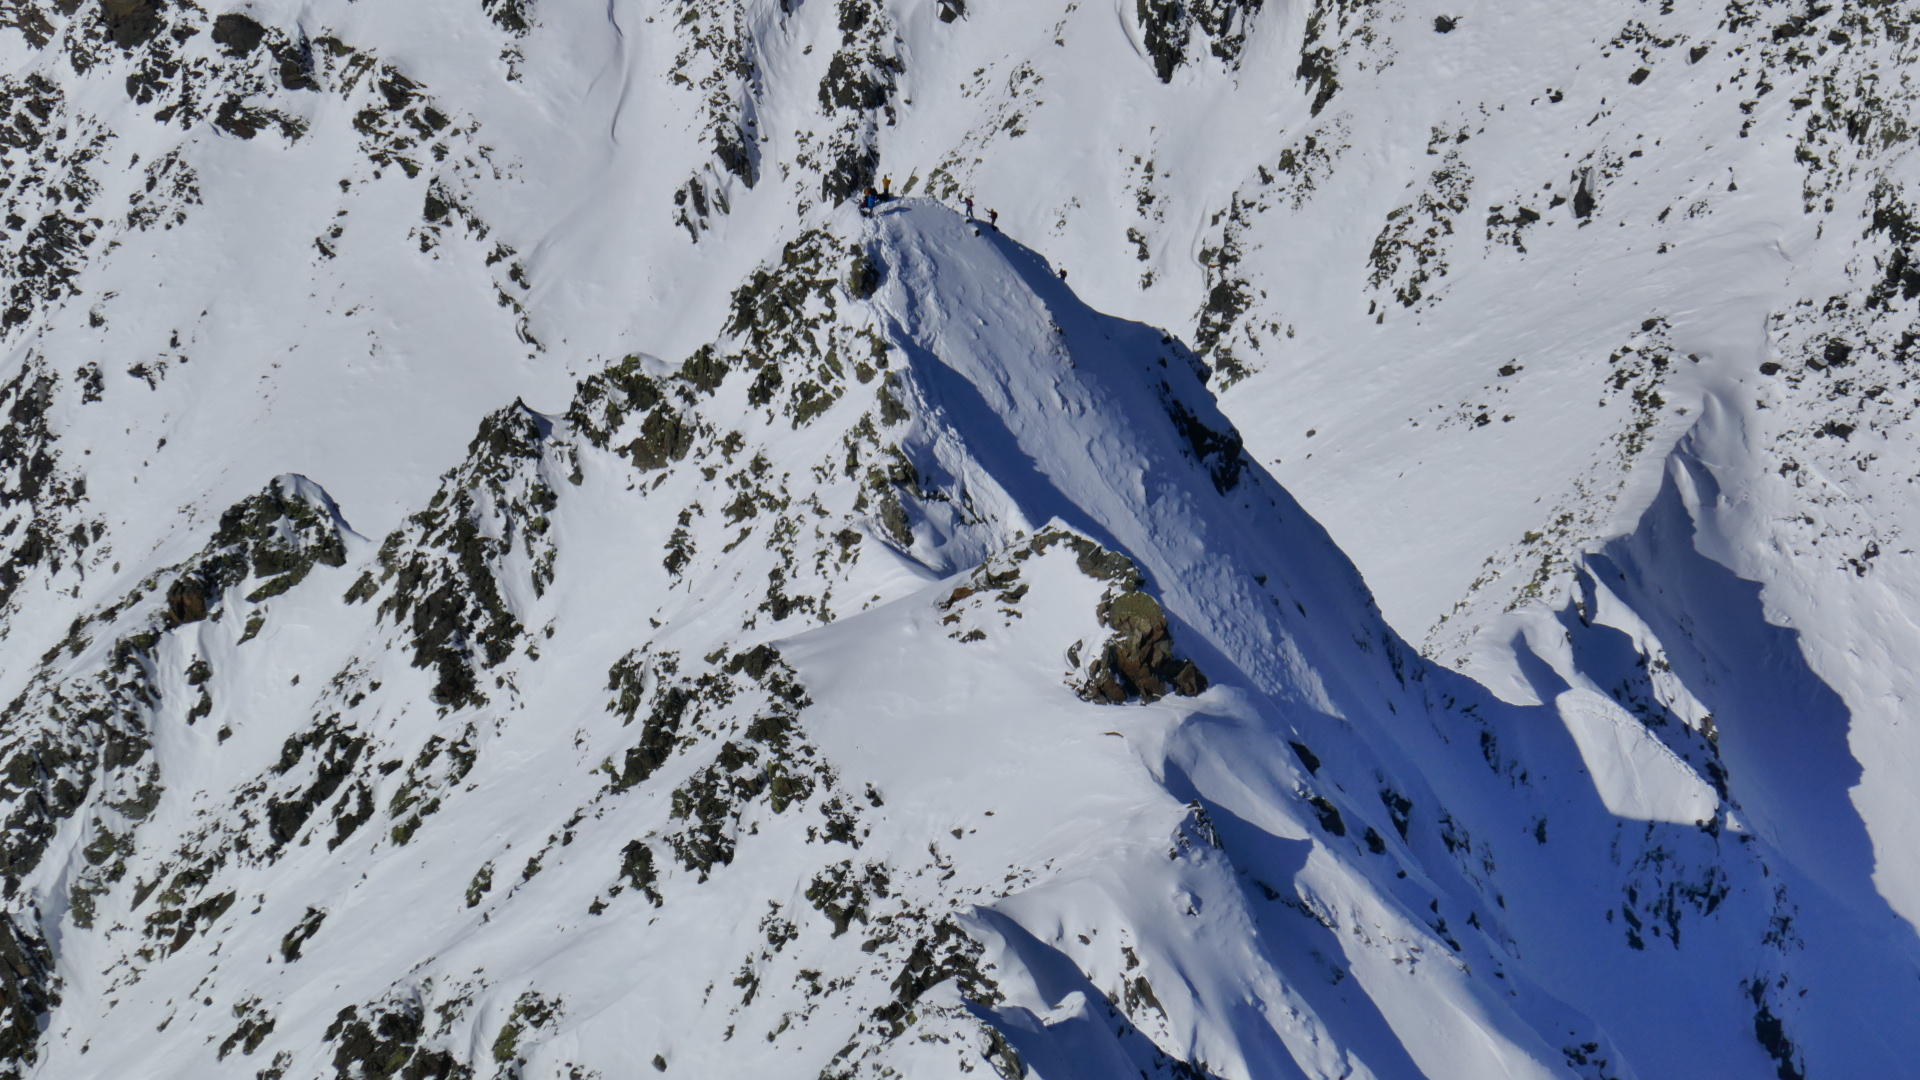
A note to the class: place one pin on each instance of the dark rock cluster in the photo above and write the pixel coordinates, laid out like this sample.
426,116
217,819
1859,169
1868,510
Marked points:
1138,661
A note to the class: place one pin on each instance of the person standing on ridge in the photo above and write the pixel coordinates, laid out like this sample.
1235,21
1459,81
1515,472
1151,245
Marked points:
886,187
866,203
969,202
993,219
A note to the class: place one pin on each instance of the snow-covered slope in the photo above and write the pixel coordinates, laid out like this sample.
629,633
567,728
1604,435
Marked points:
921,673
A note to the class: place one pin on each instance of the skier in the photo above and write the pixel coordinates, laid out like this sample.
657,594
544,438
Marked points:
867,203
993,219
969,202
886,183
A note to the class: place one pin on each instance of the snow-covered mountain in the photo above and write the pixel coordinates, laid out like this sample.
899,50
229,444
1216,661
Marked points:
1376,551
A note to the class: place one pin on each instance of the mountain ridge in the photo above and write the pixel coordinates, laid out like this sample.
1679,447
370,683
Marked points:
930,674
853,742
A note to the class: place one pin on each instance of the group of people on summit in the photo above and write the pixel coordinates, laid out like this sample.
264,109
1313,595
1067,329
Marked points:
872,199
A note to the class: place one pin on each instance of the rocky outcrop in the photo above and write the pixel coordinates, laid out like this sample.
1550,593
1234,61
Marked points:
1138,661
130,22
1167,28
26,993
440,575
385,1043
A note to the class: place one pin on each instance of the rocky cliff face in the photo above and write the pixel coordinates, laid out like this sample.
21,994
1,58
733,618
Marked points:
925,672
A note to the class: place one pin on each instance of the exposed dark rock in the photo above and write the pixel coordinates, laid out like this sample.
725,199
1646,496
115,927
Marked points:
1307,757
1583,200
255,1025
308,926
1219,451
842,894
183,922
236,119
1771,1033
386,1046
31,20
69,734
443,564
765,757
27,990
280,535
755,662
1166,28
441,764
337,750
130,23
848,84
296,71
1322,48
187,601
237,34
1226,23
657,737
858,91
665,437
636,867
854,169
1330,818
1399,808
1138,660
736,153
863,277
513,16
33,481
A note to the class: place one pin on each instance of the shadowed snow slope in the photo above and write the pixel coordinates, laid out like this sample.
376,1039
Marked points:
918,680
